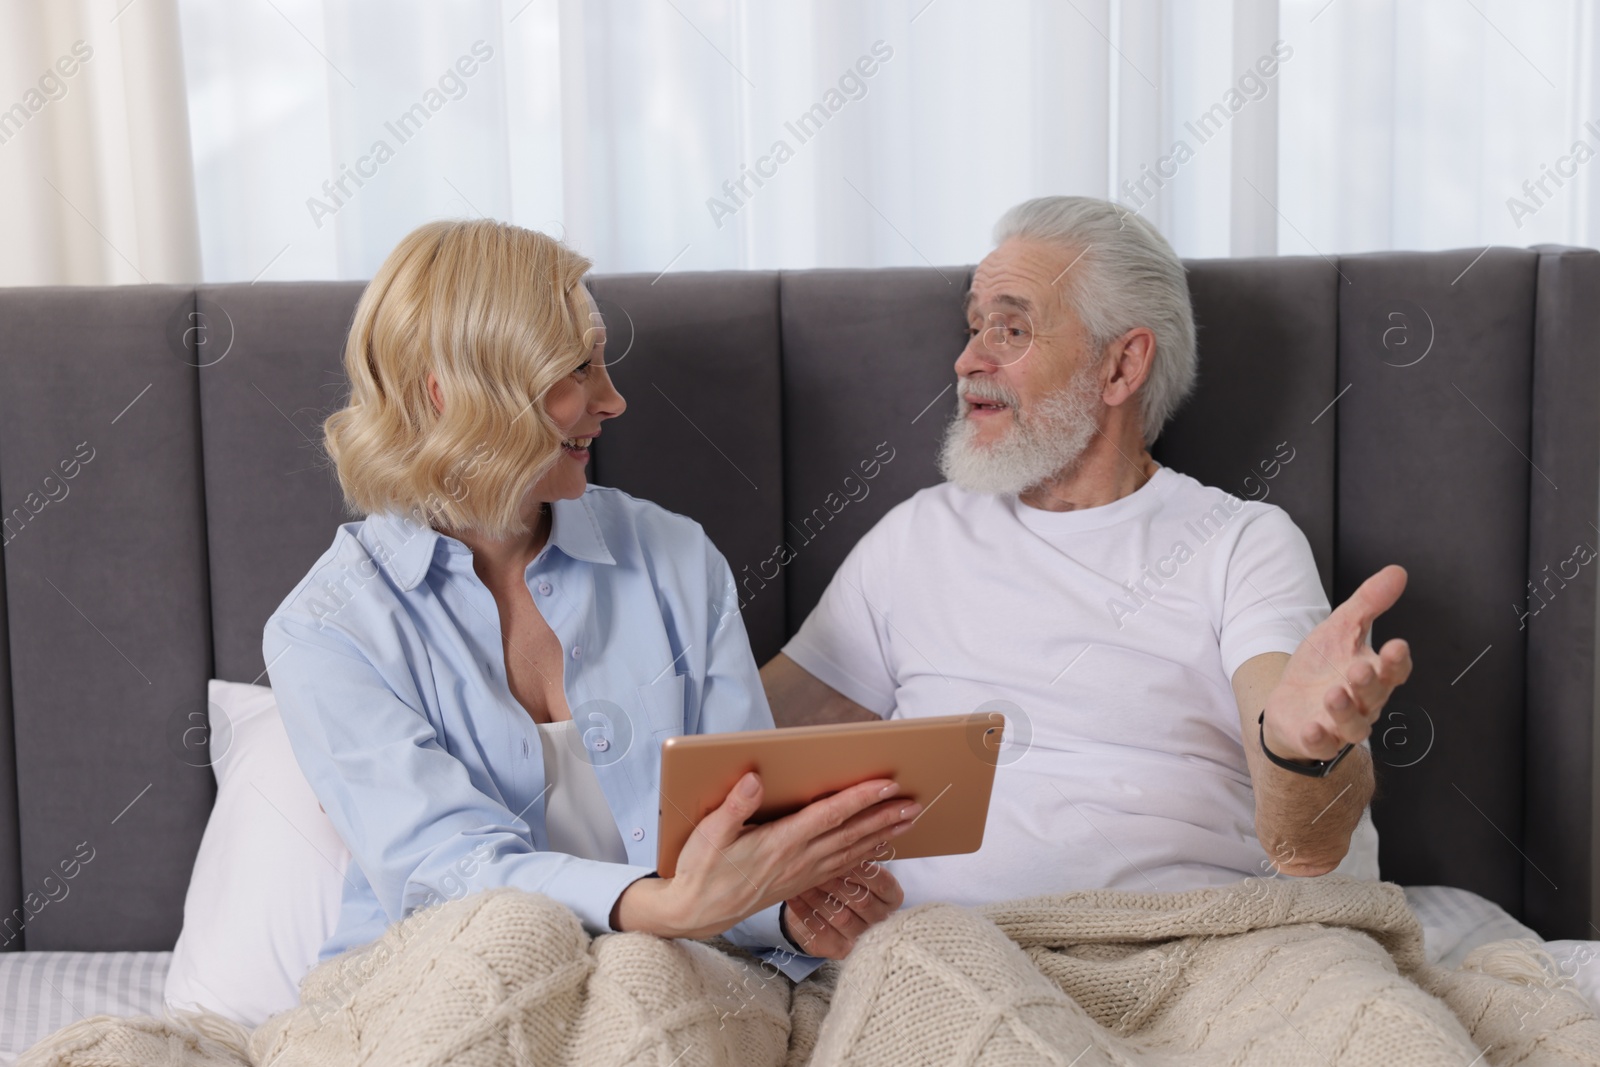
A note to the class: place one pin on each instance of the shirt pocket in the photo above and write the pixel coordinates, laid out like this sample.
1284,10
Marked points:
662,705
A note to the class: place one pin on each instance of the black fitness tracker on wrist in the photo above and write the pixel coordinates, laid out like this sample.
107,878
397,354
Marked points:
1315,769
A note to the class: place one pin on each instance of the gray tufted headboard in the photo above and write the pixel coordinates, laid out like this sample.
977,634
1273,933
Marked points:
162,487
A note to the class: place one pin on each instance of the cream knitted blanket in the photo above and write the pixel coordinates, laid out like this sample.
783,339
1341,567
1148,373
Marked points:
1268,971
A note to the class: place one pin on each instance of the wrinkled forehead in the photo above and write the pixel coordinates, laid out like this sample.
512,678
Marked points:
1019,276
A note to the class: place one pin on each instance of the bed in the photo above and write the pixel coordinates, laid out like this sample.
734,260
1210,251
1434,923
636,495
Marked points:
161,487
44,991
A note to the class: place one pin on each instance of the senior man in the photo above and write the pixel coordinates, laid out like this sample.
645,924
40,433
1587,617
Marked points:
1174,681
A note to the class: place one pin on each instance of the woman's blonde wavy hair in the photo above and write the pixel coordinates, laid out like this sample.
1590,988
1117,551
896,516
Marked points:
499,315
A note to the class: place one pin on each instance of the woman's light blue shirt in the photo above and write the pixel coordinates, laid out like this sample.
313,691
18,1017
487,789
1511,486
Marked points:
389,671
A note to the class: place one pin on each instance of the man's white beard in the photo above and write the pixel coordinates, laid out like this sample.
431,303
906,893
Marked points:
1037,445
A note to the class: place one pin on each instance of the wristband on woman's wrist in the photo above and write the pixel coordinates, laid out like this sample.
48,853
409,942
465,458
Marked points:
1319,768
783,909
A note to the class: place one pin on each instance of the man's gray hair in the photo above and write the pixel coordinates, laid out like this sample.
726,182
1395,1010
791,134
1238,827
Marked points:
1126,275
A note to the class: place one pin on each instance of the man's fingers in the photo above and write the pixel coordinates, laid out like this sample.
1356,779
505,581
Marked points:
1349,710
1395,661
1359,680
1376,595
1369,682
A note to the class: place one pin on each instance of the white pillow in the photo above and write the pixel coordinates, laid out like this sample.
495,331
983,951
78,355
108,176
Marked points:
269,876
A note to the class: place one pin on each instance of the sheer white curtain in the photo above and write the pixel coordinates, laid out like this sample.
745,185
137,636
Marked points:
1416,123
700,134
697,134
94,149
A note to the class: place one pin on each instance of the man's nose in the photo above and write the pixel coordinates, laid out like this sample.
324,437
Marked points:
973,359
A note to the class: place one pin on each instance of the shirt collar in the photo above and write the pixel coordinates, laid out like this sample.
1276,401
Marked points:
575,530
404,546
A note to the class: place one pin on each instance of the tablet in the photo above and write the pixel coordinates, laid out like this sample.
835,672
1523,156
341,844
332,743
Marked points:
945,762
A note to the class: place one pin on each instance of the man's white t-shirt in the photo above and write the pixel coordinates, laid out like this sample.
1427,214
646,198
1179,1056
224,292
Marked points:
1109,637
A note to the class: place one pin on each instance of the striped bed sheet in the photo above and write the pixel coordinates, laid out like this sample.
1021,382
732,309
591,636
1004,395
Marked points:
1456,921
40,992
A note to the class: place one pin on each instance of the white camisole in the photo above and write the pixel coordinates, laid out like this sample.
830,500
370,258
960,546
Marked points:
577,818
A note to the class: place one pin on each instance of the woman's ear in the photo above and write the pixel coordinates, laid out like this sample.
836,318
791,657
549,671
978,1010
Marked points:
436,393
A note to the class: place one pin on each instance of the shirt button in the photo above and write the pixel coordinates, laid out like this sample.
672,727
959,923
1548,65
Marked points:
577,651
601,744
544,588
638,833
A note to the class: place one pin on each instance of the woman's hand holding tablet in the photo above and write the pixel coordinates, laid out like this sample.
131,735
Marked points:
728,870
822,801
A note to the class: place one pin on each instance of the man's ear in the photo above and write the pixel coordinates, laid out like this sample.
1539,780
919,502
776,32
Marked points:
1131,357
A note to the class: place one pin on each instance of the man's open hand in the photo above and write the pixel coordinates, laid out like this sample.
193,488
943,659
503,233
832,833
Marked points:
1335,684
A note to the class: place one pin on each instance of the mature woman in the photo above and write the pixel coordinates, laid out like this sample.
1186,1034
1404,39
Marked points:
477,678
